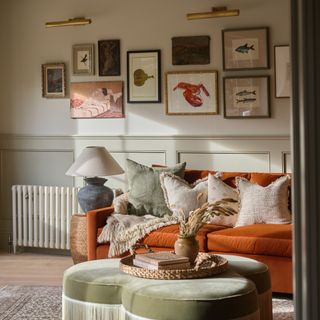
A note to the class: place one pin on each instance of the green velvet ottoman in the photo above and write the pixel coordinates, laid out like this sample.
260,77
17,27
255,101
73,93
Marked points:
99,290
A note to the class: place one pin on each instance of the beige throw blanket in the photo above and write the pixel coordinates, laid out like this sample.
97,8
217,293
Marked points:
123,231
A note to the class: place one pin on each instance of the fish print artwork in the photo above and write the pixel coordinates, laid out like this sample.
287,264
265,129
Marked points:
245,48
245,97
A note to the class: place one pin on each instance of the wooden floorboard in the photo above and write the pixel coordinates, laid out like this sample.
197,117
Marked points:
33,269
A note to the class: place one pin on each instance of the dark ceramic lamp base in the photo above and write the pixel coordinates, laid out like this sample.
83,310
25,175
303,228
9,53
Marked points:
95,195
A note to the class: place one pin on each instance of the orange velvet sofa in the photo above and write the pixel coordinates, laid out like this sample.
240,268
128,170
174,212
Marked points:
267,243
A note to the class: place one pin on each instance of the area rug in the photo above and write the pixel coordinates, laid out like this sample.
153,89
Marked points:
44,303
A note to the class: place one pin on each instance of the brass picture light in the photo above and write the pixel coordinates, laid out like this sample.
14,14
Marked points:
80,21
216,12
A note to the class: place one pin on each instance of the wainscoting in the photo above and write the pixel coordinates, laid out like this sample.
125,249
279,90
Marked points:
43,160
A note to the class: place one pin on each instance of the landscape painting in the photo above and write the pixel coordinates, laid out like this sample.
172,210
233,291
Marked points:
96,99
191,50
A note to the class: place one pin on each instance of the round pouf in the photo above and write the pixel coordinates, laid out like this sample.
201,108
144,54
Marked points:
258,273
99,290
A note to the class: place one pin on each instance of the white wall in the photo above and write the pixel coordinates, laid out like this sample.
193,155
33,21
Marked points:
139,24
38,140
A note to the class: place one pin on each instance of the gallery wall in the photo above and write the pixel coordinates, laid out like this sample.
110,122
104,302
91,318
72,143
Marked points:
39,140
140,25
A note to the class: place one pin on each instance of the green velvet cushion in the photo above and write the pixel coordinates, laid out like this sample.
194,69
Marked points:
145,192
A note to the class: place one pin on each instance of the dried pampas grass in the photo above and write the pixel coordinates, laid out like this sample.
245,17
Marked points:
190,226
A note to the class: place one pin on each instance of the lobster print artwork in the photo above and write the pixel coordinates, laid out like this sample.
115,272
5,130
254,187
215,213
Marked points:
192,93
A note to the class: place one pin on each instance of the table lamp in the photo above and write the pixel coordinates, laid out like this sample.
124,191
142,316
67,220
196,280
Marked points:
92,163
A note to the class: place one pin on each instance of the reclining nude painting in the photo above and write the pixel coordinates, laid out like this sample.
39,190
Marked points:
96,99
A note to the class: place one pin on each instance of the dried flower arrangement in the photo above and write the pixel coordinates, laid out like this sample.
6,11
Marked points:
190,226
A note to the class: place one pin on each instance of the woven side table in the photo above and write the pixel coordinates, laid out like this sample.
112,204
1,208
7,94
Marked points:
78,238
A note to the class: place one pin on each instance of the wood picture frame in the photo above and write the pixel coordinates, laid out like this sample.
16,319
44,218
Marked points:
83,59
282,71
96,99
192,93
246,97
144,76
109,57
190,50
53,80
245,49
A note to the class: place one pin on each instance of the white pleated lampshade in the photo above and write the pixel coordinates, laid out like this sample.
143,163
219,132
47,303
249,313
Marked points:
94,162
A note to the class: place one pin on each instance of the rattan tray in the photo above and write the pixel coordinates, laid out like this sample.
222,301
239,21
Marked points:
205,269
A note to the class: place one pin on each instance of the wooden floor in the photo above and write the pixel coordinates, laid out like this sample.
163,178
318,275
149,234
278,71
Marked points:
33,269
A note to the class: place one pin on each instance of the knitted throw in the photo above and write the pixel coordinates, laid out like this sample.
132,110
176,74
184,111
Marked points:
124,231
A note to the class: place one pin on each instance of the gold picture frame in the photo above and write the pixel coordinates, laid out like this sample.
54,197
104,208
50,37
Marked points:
53,80
192,93
83,59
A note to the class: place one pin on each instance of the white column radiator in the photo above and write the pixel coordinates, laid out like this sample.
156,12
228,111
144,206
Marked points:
41,216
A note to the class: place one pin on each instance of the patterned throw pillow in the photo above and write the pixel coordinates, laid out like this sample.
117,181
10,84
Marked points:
181,196
263,204
145,193
218,190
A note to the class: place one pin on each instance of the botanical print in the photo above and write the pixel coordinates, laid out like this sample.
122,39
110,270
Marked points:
192,93
143,76
96,99
282,71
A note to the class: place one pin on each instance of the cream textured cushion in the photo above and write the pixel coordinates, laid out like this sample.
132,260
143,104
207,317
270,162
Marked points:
180,195
218,190
263,204
120,203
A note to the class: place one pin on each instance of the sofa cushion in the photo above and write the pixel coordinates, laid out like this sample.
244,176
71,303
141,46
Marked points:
260,204
167,236
259,239
145,193
180,196
218,190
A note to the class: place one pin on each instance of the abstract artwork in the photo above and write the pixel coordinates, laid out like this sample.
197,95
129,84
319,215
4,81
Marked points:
191,93
191,50
144,76
245,49
246,97
109,57
96,99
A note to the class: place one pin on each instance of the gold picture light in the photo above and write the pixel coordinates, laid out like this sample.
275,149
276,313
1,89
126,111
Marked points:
216,12
80,21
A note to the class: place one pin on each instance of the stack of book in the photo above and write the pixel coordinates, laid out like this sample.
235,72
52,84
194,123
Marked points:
161,261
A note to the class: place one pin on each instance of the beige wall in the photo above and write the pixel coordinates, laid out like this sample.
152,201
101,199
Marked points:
139,24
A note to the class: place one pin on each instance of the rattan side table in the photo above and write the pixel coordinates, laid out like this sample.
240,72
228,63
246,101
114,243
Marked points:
78,238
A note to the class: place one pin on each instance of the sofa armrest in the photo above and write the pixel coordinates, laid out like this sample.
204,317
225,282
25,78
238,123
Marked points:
95,219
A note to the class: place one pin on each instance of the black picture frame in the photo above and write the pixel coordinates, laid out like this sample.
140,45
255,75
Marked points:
109,57
144,76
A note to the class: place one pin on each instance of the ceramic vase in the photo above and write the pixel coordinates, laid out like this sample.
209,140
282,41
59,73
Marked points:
187,247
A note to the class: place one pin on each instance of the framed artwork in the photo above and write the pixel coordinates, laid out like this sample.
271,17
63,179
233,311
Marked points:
245,49
282,67
83,59
246,97
191,50
109,57
53,80
102,99
192,92
144,76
